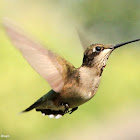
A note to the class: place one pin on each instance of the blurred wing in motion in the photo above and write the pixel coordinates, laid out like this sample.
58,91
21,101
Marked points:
84,41
49,65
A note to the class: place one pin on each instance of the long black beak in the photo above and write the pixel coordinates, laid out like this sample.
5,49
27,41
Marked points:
121,44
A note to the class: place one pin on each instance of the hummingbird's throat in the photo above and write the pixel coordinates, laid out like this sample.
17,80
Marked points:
104,60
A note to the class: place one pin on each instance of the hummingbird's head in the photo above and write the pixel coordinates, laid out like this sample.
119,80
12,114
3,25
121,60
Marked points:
96,55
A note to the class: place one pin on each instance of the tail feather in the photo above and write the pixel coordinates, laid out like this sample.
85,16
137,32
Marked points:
37,103
29,108
50,94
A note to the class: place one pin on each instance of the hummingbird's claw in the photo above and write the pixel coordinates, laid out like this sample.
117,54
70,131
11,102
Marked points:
66,108
72,110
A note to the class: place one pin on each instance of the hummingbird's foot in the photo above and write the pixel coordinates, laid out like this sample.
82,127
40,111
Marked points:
72,110
66,108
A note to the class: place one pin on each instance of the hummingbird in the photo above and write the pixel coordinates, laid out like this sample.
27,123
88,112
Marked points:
71,87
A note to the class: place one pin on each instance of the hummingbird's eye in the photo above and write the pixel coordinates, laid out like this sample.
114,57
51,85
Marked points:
98,49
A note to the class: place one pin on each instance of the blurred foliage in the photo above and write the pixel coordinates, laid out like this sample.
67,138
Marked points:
53,23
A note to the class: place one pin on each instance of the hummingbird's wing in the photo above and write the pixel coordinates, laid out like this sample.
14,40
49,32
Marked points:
84,41
49,65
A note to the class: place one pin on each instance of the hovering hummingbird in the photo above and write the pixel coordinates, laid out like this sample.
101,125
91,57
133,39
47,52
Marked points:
71,87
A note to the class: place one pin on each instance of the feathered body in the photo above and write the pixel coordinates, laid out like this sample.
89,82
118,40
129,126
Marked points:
80,86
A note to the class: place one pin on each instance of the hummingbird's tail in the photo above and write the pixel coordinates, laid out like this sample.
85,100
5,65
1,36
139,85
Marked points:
40,101
37,103
29,108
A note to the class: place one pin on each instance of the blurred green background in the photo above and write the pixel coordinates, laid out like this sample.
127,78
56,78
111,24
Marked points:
114,112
